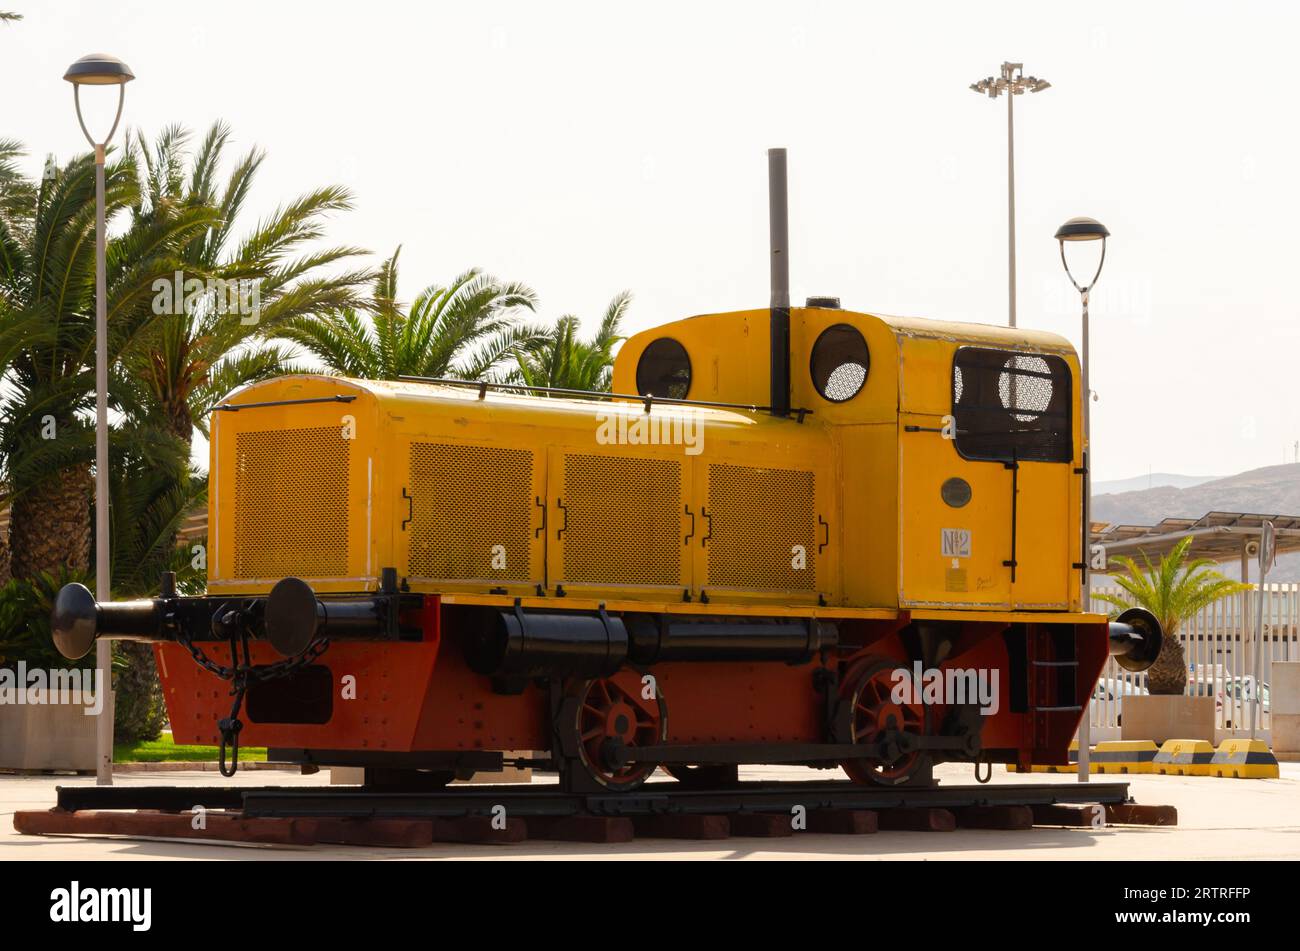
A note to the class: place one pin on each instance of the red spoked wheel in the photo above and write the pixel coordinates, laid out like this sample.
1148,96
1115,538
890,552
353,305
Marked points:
875,712
614,710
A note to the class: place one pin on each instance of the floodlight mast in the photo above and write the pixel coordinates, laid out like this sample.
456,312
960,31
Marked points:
1014,83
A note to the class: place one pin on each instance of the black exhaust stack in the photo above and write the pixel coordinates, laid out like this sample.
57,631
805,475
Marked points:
778,228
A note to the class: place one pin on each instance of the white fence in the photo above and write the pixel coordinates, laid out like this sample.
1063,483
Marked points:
1220,650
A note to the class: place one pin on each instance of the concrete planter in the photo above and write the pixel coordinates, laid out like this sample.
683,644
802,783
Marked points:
1168,718
46,736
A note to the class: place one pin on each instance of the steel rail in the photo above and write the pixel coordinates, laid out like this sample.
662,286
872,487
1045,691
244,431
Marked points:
657,798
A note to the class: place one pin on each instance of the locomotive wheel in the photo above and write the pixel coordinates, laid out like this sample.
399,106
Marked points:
612,710
873,712
696,776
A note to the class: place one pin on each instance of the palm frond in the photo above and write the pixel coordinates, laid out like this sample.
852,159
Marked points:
1173,589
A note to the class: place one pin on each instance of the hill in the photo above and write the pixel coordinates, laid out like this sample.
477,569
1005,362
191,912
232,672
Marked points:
1272,490
1152,480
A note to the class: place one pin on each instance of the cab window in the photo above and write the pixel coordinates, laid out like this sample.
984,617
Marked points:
1012,406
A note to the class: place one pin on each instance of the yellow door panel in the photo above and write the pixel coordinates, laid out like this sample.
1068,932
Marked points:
468,516
1045,536
767,532
292,493
617,522
951,554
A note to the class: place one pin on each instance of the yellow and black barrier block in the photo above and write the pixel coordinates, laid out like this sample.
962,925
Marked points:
1124,756
1244,759
1184,758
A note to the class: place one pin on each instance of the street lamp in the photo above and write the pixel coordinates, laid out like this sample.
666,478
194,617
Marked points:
1085,229
1014,83
98,69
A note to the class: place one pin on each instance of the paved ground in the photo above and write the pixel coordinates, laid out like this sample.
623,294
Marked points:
1218,819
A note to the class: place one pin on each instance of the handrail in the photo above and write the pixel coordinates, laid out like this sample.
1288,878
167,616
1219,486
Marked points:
236,407
645,398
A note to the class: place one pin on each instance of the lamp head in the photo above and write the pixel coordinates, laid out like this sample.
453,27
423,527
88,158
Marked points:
1082,229
99,69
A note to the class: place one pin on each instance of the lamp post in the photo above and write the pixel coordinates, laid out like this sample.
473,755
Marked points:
1085,229
99,69
1014,83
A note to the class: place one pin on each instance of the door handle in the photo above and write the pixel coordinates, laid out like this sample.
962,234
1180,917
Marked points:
1014,466
826,525
691,533
565,527
708,520
540,531
410,508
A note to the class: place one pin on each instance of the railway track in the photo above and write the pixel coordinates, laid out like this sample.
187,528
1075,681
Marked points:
298,816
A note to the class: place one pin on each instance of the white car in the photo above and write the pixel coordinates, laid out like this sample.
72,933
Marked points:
1242,690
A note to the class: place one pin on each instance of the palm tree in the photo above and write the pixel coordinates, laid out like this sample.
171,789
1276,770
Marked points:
47,306
562,360
1173,591
17,193
17,196
465,329
149,506
189,360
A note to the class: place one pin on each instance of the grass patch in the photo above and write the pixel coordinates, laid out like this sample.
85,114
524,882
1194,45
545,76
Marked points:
164,750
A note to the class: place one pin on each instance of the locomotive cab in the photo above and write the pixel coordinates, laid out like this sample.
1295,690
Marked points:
956,446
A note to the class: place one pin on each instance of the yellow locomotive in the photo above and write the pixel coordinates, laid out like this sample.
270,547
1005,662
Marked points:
790,523
863,505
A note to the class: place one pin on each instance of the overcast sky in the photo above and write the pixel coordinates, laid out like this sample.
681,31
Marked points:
588,148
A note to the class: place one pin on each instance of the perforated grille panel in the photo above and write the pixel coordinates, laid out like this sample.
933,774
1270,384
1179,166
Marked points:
758,516
624,520
291,503
472,512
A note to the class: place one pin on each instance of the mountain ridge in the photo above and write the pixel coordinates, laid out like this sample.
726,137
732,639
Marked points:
1152,480
1270,490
